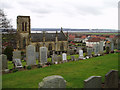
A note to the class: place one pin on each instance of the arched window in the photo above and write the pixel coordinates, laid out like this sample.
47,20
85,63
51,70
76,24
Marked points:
24,43
62,47
37,47
25,26
50,47
22,26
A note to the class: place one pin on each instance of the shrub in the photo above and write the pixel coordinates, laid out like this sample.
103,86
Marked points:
9,52
15,70
39,66
29,67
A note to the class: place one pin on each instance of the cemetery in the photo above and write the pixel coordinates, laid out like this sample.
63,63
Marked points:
55,60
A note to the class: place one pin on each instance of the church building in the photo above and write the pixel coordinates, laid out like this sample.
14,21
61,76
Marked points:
56,42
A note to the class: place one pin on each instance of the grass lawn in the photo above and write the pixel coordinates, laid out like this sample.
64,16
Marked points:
73,72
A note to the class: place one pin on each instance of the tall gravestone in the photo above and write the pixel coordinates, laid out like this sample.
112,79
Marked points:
54,81
4,61
111,79
16,55
81,54
64,57
31,55
43,55
96,49
89,51
93,82
112,46
101,47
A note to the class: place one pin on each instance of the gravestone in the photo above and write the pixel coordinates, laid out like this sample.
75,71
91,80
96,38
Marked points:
111,79
73,58
96,49
59,58
16,55
112,46
54,81
18,63
4,61
93,82
101,47
89,51
64,57
31,55
54,58
81,54
43,55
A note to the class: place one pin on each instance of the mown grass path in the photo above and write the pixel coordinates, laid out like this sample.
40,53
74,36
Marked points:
73,72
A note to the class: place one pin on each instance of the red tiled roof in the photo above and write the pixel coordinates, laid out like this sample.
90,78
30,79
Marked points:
94,40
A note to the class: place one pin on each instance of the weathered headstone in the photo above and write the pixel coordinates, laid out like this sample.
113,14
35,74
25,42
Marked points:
43,55
54,58
59,58
112,46
89,51
16,55
18,63
111,79
101,47
73,58
4,61
54,81
96,49
64,57
93,82
81,54
31,55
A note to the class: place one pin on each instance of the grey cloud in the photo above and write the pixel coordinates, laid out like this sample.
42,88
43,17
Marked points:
6,5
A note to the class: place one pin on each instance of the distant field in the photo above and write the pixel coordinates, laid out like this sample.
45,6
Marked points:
73,72
100,33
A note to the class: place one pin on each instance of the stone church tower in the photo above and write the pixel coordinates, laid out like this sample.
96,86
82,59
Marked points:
23,31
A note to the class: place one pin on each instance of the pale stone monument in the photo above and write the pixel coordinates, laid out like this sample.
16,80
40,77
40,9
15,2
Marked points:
31,55
54,81
81,54
43,55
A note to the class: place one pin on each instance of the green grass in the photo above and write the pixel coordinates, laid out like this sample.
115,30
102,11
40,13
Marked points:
73,72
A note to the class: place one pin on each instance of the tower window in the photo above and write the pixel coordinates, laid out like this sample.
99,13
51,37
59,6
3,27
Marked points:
22,26
25,26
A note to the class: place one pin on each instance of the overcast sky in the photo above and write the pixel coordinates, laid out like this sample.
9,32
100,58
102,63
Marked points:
101,14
